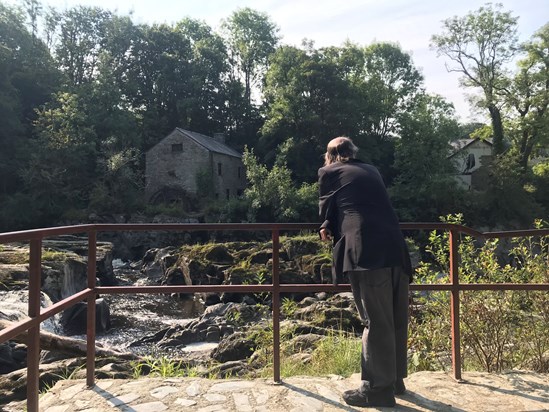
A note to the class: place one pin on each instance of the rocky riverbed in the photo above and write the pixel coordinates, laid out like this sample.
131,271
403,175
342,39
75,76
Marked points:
216,335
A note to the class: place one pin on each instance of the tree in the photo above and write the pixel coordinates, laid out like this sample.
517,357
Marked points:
27,78
272,194
480,44
391,82
306,100
252,38
424,187
528,97
82,33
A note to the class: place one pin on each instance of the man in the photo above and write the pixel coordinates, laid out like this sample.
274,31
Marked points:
369,247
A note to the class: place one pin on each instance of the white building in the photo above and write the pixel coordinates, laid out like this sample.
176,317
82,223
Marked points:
469,157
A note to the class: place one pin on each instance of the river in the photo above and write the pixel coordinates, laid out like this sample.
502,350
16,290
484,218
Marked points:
138,315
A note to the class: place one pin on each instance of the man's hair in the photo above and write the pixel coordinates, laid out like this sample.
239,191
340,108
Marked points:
340,149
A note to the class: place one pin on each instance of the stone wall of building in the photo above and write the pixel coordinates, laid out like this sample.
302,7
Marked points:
229,176
177,160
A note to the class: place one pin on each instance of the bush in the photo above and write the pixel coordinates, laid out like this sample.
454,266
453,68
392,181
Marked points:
499,329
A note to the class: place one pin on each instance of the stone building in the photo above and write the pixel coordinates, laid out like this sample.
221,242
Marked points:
185,163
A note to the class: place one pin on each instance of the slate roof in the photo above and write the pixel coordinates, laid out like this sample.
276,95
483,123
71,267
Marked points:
209,143
461,144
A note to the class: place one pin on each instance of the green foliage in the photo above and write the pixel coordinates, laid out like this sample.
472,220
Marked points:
53,255
288,307
163,367
337,353
508,197
252,38
272,194
425,186
500,329
479,45
84,93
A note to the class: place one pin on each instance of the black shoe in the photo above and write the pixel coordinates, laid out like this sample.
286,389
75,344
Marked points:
357,398
400,388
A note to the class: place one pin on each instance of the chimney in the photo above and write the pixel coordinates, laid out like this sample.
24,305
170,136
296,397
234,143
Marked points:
219,137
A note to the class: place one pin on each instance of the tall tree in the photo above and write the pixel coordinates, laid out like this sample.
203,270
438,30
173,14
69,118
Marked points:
392,82
307,100
82,33
27,78
252,38
528,97
480,44
425,176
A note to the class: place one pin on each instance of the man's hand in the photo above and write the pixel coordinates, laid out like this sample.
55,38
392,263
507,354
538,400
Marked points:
325,234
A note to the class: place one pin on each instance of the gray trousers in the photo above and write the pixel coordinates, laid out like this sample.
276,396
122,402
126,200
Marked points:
381,297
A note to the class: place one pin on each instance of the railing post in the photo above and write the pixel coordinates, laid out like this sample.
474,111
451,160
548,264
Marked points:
454,303
276,305
90,328
33,342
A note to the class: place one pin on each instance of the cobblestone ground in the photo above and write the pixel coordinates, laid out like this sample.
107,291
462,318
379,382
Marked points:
427,391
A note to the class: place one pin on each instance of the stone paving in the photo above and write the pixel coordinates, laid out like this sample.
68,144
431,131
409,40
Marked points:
427,391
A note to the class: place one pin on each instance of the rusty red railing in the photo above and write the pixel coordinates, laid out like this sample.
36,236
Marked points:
38,315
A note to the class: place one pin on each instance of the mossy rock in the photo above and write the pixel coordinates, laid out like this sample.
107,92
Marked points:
337,318
212,252
303,245
14,277
14,258
246,276
261,257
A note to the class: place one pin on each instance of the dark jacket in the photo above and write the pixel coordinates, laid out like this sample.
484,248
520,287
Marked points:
355,207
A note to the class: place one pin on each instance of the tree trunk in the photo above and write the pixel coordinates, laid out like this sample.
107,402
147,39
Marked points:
50,341
497,127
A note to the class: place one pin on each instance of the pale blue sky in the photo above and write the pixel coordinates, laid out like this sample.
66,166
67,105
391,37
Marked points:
329,23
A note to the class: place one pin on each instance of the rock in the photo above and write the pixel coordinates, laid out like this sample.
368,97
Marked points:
155,268
12,357
235,347
211,299
307,301
229,369
14,276
296,247
74,319
329,315
219,254
261,257
304,342
213,334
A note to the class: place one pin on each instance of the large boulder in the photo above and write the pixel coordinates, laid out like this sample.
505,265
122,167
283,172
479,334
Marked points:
74,319
156,263
13,356
235,347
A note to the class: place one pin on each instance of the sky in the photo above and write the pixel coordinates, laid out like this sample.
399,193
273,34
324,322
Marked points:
410,23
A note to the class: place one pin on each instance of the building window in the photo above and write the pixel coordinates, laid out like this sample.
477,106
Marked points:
219,169
239,172
217,195
228,194
178,147
171,173
239,192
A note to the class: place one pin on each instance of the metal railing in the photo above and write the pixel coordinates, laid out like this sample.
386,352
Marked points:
38,315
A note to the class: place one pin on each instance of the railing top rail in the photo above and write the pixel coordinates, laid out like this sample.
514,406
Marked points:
106,227
43,232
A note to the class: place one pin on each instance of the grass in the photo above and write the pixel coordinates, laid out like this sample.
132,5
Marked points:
338,353
66,374
163,367
53,255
